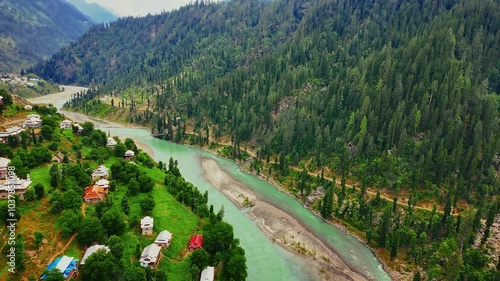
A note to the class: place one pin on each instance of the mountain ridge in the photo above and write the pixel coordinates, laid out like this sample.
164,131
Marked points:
33,30
94,11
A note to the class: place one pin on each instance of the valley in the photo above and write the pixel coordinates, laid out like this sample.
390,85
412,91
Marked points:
313,258
341,140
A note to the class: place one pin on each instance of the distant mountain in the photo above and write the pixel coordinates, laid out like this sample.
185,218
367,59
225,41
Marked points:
94,11
31,30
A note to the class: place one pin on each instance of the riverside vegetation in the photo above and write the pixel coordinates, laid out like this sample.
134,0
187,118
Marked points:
60,163
400,98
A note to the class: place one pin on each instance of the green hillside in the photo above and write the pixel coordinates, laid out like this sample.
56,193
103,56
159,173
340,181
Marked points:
415,89
53,220
31,31
401,97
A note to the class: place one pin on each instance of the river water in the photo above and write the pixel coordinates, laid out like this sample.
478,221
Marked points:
266,260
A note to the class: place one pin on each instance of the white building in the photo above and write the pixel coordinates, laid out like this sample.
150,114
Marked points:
129,154
111,142
66,124
32,121
28,107
14,185
147,225
102,183
150,256
100,173
207,274
13,131
33,116
4,163
80,128
163,239
92,250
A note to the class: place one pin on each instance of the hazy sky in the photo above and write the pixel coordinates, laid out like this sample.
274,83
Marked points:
139,7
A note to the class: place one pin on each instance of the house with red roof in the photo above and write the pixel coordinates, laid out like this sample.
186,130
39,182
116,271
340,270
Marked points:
93,195
196,242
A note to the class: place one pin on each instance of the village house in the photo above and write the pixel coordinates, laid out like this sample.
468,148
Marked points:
129,154
4,163
79,129
97,192
150,256
163,239
94,194
92,197
66,124
13,131
14,185
68,266
28,107
100,173
208,274
147,225
102,185
92,250
196,242
32,121
111,143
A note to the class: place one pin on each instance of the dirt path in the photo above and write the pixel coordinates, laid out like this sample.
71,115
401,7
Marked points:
64,248
53,257
373,193
402,201
84,206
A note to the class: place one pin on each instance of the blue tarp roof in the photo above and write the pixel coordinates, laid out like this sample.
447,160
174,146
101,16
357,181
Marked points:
65,264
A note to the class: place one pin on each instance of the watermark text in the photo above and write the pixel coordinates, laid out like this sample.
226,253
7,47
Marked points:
11,219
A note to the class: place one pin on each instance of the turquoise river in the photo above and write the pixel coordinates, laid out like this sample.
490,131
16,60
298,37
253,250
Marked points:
266,261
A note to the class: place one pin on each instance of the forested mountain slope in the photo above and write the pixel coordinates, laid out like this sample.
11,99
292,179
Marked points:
397,95
403,94
31,31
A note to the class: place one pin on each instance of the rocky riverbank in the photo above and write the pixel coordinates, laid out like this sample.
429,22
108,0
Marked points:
322,262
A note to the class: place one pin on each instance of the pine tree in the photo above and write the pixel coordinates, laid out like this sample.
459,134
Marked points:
384,226
327,206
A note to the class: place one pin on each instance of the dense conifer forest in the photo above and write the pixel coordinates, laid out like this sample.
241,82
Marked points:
30,31
398,95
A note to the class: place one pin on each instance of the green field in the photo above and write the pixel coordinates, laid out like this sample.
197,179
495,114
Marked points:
40,175
168,214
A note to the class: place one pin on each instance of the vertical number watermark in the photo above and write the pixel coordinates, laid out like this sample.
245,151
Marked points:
11,219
